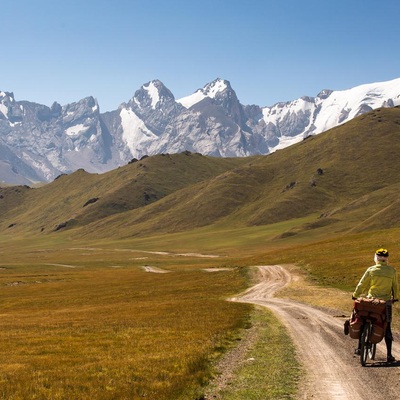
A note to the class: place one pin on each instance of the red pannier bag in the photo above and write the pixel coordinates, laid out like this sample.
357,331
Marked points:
378,332
355,327
374,309
375,306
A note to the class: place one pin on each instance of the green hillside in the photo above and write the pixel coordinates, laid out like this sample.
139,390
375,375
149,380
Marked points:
345,179
81,198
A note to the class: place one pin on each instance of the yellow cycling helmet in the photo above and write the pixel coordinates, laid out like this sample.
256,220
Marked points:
382,252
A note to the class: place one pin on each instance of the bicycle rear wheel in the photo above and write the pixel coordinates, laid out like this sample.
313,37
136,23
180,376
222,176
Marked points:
372,351
364,343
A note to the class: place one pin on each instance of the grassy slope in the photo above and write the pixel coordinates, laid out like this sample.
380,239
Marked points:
126,188
356,190
175,193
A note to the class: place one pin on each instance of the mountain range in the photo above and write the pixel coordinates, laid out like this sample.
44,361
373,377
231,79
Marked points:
38,143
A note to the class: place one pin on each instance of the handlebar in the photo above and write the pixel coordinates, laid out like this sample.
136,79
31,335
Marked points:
393,300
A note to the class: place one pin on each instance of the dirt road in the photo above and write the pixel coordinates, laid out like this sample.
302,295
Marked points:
332,371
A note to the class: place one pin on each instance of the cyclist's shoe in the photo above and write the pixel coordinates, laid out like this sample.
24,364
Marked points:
390,359
357,352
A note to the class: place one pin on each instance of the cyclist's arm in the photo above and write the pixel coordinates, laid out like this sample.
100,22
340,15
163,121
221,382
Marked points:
363,285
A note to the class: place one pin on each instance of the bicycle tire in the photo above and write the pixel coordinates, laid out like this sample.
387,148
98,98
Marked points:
372,351
364,344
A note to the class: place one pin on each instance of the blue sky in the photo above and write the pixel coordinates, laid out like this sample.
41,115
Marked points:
270,51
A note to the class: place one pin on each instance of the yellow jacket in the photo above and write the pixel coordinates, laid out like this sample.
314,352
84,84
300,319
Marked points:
378,281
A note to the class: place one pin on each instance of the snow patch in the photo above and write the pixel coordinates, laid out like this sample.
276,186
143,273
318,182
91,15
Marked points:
3,109
211,90
286,141
76,130
135,133
153,93
13,124
189,101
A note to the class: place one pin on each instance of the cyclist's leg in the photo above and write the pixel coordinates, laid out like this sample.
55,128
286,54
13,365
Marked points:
389,335
389,341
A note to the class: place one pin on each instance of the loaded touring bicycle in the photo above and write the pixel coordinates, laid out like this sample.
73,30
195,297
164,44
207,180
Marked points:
367,323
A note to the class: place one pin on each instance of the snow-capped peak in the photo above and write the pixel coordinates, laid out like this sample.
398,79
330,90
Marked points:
6,100
215,87
211,90
151,95
309,116
7,95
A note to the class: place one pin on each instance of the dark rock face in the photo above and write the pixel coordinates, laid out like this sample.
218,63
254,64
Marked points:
91,201
60,226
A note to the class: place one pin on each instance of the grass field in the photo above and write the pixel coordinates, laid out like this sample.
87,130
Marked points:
85,323
85,320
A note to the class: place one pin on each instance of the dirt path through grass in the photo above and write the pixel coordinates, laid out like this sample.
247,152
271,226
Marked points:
155,270
160,253
332,372
63,265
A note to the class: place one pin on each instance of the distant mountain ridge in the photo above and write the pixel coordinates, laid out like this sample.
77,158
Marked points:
38,143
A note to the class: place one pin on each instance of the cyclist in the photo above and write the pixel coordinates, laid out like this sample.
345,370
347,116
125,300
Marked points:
380,282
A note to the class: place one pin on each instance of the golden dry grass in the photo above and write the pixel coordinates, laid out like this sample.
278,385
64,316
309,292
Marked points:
82,323
304,290
84,319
